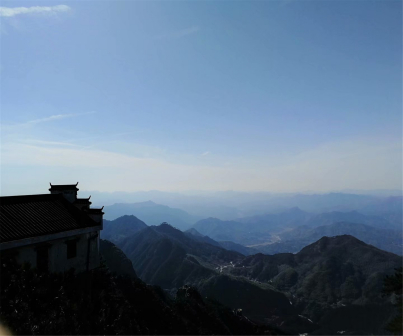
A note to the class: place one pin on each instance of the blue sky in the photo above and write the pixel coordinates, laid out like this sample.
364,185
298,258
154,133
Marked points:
207,95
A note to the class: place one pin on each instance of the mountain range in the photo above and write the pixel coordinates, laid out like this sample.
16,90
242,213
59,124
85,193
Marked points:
326,281
321,273
236,235
151,213
169,258
262,230
229,205
387,240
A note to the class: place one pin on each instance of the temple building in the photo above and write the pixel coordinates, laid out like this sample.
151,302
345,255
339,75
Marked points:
52,232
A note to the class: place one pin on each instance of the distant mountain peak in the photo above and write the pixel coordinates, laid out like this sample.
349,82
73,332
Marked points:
341,239
148,203
166,228
127,217
123,226
294,210
328,243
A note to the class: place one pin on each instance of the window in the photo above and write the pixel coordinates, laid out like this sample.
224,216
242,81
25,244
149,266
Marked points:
71,249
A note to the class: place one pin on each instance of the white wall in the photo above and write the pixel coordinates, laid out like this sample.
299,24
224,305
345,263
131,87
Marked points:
58,261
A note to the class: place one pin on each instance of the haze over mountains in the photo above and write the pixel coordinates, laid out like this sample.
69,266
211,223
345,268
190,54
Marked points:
228,205
384,239
294,269
327,281
151,213
294,229
275,232
234,205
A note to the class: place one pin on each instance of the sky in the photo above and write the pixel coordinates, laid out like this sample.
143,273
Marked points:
281,96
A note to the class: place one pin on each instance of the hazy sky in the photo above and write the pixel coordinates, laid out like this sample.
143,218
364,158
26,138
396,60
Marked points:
209,95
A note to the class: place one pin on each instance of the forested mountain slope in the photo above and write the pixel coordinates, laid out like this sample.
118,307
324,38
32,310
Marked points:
296,239
122,227
114,258
337,276
326,281
167,257
100,303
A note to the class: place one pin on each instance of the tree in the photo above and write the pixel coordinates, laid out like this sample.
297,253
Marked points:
393,285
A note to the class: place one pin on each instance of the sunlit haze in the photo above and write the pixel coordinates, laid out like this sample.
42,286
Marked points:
279,96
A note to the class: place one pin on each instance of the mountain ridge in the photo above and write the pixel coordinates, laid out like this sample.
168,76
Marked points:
294,240
121,227
151,213
341,273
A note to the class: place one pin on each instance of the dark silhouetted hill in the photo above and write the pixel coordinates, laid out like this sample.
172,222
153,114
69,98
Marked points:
339,276
120,228
194,234
294,240
164,255
115,259
329,280
167,257
101,303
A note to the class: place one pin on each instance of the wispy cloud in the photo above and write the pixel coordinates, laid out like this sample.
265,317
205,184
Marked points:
13,11
19,127
179,33
56,117
205,153
50,143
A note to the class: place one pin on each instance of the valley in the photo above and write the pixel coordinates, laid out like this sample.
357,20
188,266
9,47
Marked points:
299,271
283,231
328,277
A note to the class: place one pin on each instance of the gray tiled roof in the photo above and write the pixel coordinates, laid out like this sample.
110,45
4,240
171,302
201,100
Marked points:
37,215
